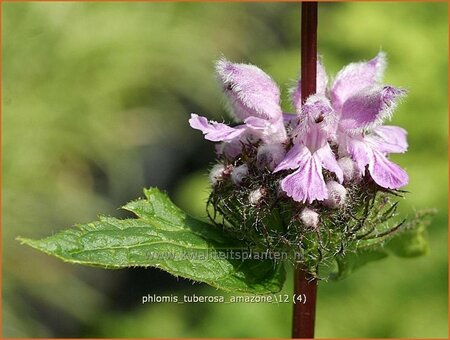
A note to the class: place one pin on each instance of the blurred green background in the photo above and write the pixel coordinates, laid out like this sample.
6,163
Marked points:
95,103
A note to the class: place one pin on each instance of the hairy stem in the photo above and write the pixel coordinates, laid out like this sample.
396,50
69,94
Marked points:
304,312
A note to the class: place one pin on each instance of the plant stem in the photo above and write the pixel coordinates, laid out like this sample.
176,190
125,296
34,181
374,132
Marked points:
308,49
304,314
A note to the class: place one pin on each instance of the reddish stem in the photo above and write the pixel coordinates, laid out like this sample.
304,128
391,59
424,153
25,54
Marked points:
309,49
304,314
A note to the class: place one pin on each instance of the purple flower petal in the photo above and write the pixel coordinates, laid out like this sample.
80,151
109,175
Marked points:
321,86
307,183
257,123
327,159
359,151
213,131
389,139
252,93
369,107
386,173
355,77
296,156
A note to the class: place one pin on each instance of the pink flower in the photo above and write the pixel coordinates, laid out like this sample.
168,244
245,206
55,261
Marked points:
360,105
339,129
311,152
254,99
363,105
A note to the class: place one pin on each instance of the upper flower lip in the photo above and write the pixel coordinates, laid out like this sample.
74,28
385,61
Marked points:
255,100
252,93
356,94
369,107
316,113
355,77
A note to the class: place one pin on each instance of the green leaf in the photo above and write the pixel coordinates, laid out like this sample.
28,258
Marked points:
354,260
414,241
411,243
163,236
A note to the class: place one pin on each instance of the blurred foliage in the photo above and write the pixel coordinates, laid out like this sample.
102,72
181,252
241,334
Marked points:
96,98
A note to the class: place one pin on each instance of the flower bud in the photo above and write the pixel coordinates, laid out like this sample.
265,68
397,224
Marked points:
239,173
216,174
309,218
255,196
348,168
269,156
336,195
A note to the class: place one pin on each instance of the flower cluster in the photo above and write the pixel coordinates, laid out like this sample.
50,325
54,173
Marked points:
330,152
339,129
